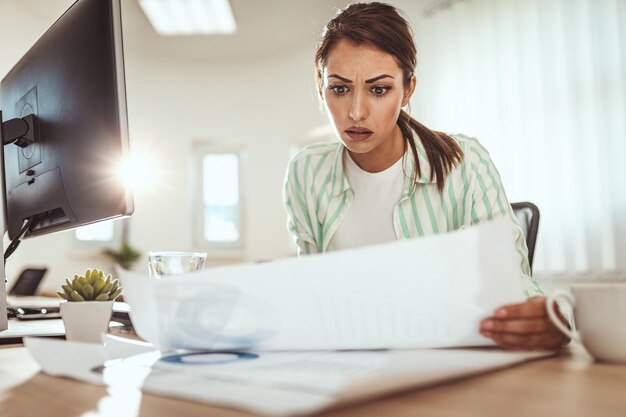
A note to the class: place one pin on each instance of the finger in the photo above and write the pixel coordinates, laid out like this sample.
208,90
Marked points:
541,341
515,326
532,308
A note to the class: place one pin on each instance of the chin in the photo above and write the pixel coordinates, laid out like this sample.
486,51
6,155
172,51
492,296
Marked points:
358,147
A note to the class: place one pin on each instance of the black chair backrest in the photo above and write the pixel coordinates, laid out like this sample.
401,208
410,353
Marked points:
28,281
528,217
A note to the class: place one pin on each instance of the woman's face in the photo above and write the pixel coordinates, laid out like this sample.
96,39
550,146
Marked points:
363,92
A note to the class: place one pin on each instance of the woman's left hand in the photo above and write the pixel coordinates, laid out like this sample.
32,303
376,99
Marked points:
523,326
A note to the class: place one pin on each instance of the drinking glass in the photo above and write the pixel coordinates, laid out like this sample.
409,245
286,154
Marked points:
161,264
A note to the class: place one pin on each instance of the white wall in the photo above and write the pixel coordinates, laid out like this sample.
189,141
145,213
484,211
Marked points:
259,105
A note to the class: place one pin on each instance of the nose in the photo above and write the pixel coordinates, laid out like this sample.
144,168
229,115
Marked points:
358,107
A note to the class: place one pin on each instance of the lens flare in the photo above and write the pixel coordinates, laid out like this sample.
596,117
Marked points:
136,172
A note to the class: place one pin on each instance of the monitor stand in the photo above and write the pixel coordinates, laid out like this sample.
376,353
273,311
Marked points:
3,297
21,132
3,285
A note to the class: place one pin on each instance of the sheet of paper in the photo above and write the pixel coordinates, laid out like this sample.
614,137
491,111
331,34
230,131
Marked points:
37,301
304,383
324,373
48,327
273,383
19,328
59,357
420,293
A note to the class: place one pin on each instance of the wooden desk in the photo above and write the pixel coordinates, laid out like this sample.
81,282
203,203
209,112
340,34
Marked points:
570,384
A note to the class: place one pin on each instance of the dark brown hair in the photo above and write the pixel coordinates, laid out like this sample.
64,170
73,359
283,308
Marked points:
380,25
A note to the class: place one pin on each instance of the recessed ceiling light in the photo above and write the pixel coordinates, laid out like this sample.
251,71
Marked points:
189,17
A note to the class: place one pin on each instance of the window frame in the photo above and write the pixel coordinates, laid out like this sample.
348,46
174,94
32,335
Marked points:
92,248
225,249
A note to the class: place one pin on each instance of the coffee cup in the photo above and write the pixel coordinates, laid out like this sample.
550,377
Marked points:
599,318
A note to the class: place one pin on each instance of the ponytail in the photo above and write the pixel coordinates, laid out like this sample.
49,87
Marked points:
442,151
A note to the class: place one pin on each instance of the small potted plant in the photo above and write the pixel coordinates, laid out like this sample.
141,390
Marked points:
89,302
125,256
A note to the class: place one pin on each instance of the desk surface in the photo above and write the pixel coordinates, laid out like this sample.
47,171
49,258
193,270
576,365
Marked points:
571,384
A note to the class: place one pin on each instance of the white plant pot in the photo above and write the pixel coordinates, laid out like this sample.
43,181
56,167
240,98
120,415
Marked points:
85,321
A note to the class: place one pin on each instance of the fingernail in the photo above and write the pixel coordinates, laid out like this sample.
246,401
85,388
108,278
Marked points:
488,324
501,312
485,333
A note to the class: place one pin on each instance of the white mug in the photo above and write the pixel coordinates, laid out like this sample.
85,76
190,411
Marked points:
599,318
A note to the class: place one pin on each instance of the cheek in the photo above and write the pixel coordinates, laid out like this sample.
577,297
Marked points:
389,112
333,107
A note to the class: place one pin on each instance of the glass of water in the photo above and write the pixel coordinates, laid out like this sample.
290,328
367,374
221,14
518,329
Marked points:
161,264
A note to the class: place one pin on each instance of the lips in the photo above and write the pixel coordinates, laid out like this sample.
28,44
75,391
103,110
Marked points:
358,133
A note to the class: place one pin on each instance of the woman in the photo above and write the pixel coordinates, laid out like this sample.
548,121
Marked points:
391,177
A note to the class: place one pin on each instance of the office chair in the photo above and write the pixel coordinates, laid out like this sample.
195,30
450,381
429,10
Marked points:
528,217
28,281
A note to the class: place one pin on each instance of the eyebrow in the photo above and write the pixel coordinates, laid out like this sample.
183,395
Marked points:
371,80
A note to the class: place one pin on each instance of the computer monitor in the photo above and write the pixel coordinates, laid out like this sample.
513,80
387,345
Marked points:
65,128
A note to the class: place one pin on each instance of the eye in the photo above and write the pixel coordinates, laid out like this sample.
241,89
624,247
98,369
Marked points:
380,90
339,90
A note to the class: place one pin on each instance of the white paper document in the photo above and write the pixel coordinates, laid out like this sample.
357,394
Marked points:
421,293
273,383
49,327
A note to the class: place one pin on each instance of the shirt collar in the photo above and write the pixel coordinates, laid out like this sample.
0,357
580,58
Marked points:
340,183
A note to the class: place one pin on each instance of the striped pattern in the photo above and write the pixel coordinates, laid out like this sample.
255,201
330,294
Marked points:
317,197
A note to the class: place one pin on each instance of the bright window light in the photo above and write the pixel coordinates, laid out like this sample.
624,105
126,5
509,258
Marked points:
136,171
99,232
220,186
189,17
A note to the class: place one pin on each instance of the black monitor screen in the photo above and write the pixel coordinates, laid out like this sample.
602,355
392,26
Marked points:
72,80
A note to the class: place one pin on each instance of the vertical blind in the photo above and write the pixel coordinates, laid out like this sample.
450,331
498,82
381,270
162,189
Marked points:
542,84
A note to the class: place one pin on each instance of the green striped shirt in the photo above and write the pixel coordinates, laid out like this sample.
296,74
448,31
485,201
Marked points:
317,196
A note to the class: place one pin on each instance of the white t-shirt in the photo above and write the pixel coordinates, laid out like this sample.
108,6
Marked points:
369,219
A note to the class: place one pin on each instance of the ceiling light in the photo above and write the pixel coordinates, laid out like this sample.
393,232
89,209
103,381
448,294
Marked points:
189,17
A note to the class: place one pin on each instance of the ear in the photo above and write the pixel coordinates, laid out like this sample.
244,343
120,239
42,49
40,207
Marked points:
408,92
320,81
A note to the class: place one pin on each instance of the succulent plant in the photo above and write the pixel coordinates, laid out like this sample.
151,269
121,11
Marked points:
126,256
91,287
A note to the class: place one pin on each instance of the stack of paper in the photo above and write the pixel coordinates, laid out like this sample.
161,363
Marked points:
421,293
273,383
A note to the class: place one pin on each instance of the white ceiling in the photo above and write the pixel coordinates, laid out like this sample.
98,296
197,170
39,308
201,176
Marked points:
265,27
